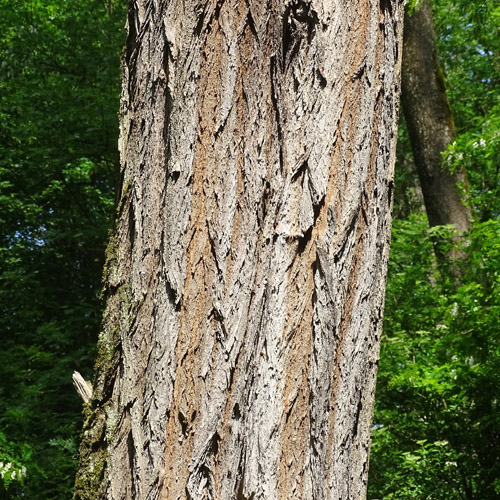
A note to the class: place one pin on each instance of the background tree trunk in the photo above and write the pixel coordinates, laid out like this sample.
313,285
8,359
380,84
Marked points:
430,122
245,278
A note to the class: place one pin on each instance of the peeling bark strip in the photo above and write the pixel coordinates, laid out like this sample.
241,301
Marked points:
245,279
83,387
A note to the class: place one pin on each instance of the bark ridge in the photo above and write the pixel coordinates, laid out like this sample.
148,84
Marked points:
246,275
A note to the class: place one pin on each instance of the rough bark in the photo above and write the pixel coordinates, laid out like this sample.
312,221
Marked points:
245,278
430,122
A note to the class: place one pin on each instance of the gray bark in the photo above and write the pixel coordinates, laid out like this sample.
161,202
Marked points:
245,278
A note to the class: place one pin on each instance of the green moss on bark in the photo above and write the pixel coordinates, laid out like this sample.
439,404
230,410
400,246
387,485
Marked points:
99,414
90,480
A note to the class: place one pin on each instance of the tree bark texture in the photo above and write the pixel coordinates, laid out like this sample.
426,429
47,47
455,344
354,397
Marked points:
430,122
245,278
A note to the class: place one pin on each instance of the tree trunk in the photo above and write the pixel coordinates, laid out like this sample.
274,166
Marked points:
245,278
430,122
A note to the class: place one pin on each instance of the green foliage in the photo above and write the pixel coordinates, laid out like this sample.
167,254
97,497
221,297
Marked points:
437,425
437,421
469,49
59,86
412,5
479,151
13,460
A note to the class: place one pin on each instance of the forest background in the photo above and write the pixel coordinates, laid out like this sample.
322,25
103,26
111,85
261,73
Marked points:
436,430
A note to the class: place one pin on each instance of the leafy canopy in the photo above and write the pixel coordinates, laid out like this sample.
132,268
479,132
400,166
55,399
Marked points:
437,422
59,86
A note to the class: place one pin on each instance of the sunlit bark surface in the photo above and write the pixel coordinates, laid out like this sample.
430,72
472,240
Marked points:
245,278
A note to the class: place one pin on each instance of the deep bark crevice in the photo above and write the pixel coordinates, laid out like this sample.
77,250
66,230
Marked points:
249,254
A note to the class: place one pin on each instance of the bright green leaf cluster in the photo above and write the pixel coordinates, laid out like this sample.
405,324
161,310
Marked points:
14,458
437,425
479,152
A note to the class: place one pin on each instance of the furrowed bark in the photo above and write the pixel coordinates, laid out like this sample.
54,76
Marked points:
245,278
430,122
